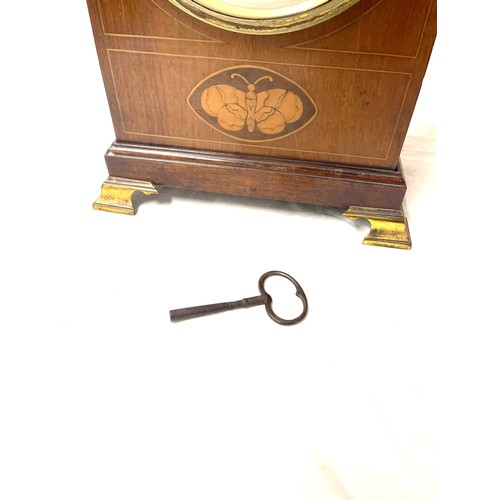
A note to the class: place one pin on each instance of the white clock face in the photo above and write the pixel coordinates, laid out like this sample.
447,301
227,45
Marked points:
261,9
263,17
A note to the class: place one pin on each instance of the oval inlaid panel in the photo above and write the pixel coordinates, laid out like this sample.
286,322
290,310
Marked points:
252,103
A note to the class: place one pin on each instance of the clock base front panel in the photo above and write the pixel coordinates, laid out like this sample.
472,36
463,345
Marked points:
254,176
367,193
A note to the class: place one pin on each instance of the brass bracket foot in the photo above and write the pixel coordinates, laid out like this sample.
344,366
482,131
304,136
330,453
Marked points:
116,195
389,228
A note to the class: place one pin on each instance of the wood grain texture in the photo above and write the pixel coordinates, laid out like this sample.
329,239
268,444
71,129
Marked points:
363,69
258,176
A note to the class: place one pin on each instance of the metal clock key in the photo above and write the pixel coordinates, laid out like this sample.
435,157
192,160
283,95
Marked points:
263,299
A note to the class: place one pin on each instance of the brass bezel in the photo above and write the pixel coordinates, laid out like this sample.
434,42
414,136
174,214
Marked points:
265,21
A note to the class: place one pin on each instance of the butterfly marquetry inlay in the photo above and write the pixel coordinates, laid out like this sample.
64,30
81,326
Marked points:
252,104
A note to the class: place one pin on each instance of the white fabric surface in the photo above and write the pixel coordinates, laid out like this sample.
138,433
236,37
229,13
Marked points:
102,397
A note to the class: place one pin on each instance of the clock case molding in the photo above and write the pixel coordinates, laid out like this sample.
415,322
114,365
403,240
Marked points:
359,72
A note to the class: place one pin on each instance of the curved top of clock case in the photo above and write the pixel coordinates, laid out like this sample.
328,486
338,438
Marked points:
263,17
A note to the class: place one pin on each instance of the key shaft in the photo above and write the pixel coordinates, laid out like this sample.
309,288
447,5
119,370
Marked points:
198,311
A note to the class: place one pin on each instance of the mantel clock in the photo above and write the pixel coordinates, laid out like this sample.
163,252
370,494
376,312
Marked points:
306,101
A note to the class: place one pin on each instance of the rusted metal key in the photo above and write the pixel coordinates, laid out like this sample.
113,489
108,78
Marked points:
263,299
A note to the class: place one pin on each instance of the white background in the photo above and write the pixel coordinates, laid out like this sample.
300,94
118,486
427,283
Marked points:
388,390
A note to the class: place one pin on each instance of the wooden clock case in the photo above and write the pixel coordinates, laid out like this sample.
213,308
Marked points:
315,116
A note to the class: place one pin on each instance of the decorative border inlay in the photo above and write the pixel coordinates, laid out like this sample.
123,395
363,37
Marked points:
205,39
304,45
260,146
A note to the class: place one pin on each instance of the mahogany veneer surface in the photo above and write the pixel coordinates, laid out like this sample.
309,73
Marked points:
357,75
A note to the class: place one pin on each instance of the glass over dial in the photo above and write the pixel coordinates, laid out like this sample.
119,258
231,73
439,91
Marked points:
263,17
